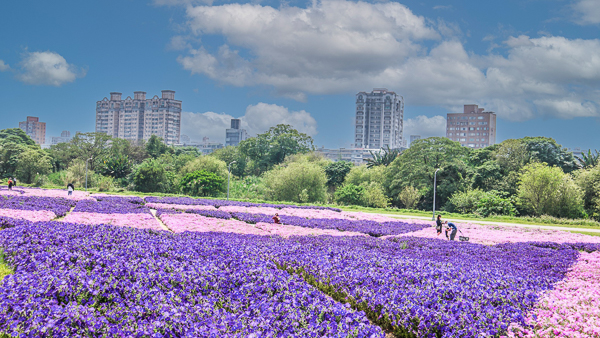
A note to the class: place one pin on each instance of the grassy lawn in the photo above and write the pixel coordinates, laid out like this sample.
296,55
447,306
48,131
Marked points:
587,233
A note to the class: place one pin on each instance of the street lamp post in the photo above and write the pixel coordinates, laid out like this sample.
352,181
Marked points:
434,186
229,175
86,169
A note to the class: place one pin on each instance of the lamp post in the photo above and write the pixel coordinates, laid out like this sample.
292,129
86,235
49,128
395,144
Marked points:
434,186
229,175
86,168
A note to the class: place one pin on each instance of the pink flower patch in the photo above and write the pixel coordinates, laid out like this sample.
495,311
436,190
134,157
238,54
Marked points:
30,215
195,222
571,308
139,220
497,234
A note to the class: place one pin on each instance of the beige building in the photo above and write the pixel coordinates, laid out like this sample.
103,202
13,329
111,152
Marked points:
139,118
474,128
35,129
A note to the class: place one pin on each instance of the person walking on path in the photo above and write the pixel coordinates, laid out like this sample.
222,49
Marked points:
276,218
451,226
10,183
438,225
70,188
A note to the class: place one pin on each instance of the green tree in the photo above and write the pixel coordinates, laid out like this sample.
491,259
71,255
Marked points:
297,182
350,194
361,174
589,160
202,183
383,157
9,157
271,148
588,180
151,176
545,190
496,203
156,147
374,196
230,154
208,163
409,197
545,149
336,172
16,135
416,167
31,163
91,145
116,166
465,202
512,155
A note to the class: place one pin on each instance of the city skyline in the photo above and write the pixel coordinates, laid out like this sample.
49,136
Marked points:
530,62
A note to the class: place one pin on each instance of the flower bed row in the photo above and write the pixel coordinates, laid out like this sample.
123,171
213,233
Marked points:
75,280
371,228
111,206
120,199
59,206
181,222
39,192
219,203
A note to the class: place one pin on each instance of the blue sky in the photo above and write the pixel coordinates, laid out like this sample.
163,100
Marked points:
534,62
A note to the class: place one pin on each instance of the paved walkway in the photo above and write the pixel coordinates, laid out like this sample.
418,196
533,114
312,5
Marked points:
534,226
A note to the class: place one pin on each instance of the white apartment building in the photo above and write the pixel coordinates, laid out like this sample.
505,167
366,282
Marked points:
379,119
474,128
139,118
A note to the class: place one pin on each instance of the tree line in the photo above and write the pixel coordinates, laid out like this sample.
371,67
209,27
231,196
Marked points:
528,176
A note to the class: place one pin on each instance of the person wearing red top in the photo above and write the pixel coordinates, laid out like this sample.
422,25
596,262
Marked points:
276,218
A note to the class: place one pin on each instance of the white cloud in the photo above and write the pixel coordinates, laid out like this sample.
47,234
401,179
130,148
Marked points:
47,68
425,126
4,66
257,119
587,12
315,49
340,46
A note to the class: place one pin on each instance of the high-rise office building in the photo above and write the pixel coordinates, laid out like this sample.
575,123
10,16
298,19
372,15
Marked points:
235,135
139,118
414,138
35,129
379,119
64,137
474,128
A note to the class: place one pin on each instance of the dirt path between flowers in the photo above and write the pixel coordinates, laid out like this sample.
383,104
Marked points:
533,226
67,214
160,222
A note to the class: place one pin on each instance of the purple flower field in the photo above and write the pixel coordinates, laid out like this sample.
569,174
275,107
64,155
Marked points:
229,273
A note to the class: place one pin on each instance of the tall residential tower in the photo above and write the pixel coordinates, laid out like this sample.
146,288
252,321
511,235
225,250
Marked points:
35,129
379,119
474,128
139,118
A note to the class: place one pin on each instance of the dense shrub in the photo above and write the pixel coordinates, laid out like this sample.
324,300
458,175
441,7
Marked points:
410,197
202,183
350,194
151,176
296,182
545,190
